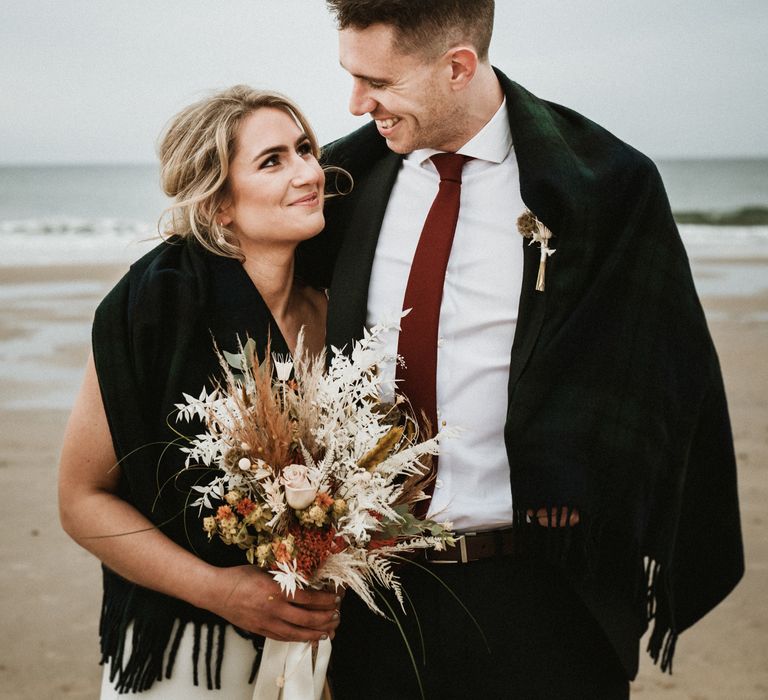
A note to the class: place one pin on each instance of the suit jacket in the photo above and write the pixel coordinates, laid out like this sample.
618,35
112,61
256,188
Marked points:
616,404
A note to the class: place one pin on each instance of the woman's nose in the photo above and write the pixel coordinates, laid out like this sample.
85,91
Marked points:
308,170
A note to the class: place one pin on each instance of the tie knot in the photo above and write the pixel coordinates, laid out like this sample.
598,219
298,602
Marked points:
449,165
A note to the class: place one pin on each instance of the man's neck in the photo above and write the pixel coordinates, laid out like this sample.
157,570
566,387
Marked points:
482,100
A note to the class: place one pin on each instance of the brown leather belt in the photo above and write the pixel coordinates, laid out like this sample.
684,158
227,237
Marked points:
472,546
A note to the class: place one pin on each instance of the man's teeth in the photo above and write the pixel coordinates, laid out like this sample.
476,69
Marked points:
388,123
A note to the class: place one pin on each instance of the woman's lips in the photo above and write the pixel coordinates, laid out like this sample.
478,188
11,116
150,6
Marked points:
307,201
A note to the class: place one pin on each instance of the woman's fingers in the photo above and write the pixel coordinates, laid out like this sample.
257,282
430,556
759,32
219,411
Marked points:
550,519
256,603
289,622
317,600
320,620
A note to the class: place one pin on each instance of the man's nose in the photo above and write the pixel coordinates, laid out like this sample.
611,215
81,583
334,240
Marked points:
360,102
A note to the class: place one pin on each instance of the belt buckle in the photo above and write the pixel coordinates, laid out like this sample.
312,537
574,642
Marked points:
461,543
463,547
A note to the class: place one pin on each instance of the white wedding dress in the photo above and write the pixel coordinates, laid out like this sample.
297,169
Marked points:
235,669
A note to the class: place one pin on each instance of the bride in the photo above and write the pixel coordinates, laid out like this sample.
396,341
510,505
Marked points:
180,616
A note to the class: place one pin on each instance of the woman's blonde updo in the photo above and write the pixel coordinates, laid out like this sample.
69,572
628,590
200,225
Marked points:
195,152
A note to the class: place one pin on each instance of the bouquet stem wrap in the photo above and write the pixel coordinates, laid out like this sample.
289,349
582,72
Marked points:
290,670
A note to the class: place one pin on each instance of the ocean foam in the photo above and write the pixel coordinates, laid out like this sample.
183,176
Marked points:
726,242
70,241
73,241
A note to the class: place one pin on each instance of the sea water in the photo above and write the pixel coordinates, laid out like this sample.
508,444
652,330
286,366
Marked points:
109,214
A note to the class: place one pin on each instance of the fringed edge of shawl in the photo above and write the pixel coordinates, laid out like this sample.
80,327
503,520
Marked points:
559,545
662,642
156,635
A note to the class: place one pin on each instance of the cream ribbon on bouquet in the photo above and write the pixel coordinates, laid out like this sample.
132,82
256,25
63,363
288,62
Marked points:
291,671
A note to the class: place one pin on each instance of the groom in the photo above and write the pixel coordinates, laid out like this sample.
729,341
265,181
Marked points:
594,477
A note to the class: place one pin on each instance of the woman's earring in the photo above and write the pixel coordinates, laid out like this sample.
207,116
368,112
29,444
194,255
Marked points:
220,238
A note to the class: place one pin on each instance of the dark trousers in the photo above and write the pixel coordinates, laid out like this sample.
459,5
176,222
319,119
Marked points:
538,640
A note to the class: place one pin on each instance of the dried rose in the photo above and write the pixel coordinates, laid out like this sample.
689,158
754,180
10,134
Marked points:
299,491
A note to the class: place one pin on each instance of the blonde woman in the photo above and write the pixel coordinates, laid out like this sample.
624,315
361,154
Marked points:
180,615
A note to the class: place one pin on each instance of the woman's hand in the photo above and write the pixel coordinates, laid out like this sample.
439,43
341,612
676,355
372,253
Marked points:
252,600
549,519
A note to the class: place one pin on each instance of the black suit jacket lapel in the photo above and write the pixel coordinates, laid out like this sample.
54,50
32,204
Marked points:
543,166
361,215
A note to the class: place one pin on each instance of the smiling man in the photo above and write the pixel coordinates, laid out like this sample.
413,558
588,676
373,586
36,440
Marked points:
419,103
594,473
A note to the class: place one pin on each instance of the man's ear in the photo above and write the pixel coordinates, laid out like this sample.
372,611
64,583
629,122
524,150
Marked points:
463,61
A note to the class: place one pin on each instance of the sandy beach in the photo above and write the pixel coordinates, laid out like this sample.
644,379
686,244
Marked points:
50,588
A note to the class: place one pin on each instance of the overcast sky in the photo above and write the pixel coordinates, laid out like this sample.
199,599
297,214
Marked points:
95,80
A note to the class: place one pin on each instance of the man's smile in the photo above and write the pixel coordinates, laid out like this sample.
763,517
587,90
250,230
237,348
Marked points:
388,123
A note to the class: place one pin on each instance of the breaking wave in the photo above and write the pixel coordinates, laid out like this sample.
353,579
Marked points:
71,241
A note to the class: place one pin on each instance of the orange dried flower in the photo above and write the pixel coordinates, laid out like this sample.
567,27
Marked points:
281,551
245,507
312,549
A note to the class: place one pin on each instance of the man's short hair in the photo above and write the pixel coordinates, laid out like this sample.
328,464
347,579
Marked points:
423,26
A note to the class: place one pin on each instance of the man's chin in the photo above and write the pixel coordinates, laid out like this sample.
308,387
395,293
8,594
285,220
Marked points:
398,146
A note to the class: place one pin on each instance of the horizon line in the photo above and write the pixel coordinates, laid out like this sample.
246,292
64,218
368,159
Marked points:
145,163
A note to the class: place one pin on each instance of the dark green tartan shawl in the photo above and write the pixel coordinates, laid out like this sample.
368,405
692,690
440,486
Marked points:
616,403
153,340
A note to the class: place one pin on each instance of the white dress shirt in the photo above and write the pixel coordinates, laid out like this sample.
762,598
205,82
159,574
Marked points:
478,316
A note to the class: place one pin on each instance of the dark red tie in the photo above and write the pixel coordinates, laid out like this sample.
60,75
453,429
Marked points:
424,292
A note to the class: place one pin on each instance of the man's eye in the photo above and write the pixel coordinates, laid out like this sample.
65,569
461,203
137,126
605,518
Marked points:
376,85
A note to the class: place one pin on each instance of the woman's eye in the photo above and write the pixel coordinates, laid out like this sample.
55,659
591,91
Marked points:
304,149
270,162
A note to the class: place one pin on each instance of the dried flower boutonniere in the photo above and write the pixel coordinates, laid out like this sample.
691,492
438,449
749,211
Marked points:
530,227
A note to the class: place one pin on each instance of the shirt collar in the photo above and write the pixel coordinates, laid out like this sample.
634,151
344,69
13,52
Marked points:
492,143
